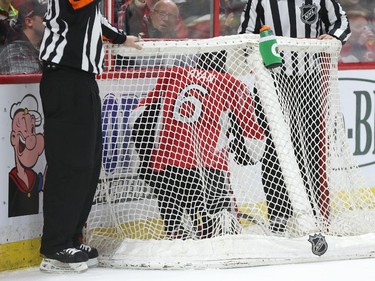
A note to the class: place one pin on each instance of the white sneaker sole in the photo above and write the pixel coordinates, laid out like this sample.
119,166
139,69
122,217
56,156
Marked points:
55,266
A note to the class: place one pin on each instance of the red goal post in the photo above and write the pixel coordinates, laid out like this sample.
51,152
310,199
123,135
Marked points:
211,160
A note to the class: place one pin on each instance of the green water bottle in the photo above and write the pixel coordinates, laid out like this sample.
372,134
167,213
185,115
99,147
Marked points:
268,48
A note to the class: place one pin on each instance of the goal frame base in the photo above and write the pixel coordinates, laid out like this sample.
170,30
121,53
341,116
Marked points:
232,251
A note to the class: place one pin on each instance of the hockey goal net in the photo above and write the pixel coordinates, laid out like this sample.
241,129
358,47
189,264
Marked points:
212,160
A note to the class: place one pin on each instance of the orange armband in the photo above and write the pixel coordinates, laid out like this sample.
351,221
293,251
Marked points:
78,4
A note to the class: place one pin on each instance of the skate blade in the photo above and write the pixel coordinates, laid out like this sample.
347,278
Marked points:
55,266
92,262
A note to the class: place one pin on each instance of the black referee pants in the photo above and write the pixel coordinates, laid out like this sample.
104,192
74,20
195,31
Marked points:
73,147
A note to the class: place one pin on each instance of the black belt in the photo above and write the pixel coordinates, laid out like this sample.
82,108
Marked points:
48,66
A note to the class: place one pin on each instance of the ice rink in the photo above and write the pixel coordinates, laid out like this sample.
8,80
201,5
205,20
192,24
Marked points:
353,270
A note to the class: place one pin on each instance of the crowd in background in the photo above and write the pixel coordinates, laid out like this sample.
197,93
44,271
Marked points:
194,20
361,44
21,32
20,26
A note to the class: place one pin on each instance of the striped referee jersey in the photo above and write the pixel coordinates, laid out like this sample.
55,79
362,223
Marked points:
73,34
296,18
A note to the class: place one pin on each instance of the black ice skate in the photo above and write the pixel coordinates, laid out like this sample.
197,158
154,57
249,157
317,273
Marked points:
67,260
91,252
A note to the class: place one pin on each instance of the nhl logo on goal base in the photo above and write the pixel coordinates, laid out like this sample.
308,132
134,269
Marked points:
319,244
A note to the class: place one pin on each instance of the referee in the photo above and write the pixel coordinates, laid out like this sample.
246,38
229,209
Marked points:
72,55
321,19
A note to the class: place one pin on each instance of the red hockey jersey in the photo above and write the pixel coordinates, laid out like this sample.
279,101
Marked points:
192,127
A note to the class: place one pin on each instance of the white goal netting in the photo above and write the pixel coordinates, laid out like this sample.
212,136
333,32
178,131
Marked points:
211,160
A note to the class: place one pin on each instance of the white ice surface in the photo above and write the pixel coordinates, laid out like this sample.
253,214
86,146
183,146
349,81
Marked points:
346,270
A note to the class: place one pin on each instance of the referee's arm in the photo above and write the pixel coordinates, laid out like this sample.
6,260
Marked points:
116,36
335,21
109,31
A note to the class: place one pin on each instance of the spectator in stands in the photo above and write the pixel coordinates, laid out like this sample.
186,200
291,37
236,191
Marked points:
232,11
200,17
199,20
135,17
22,54
361,44
150,19
195,8
132,17
165,22
355,5
151,3
347,5
8,17
369,5
18,3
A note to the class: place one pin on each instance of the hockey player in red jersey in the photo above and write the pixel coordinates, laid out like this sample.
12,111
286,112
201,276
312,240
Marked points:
183,131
